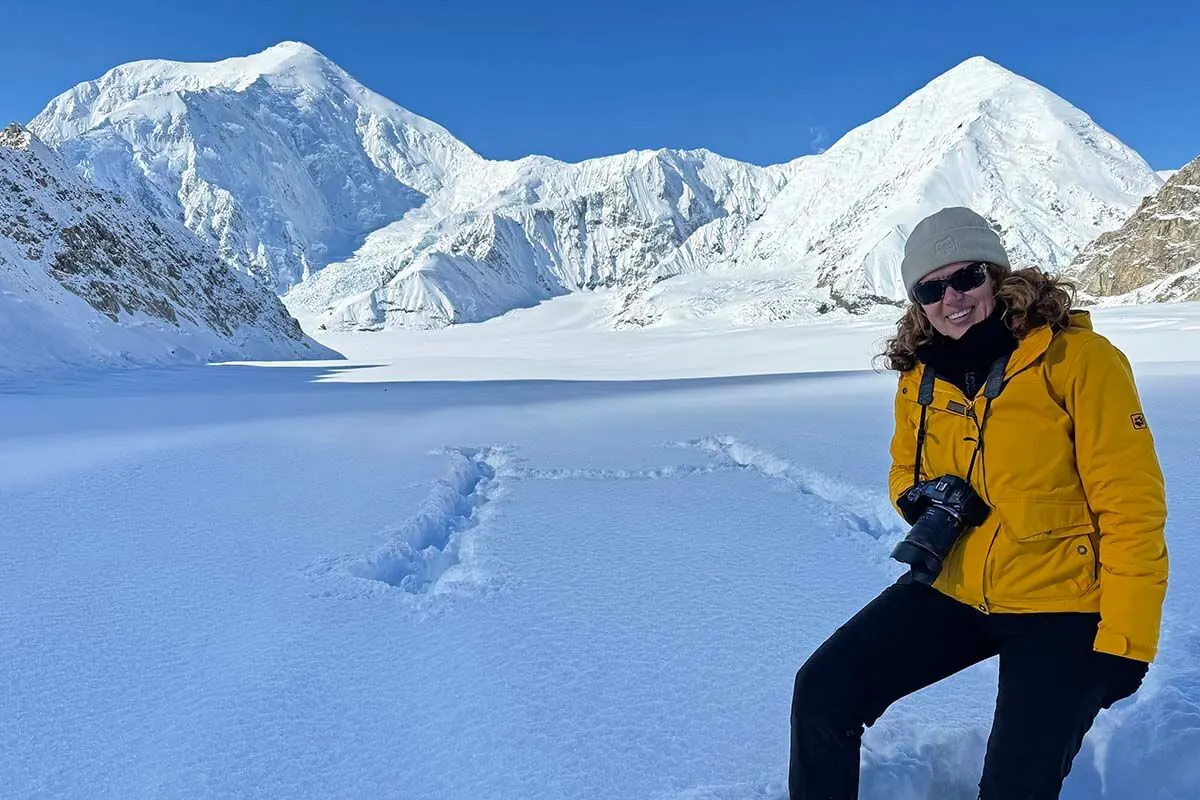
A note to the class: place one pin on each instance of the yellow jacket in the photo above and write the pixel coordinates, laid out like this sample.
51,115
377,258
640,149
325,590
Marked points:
1069,469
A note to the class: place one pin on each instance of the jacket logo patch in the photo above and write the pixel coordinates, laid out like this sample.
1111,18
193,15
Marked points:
956,407
1139,421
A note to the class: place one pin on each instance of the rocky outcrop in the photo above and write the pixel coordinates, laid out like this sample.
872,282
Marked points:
1155,255
146,281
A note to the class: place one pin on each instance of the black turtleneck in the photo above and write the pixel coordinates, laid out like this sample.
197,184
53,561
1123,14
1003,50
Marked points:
965,361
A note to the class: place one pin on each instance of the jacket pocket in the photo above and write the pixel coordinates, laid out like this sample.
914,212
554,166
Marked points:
1044,553
1025,520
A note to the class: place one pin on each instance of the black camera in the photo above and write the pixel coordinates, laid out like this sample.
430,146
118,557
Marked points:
939,510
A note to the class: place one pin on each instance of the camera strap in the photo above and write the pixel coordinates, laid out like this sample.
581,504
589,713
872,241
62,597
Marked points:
991,389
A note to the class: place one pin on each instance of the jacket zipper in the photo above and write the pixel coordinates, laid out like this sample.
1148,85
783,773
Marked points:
987,559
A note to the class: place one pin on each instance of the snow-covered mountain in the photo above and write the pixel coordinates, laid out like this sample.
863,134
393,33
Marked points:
88,277
1042,171
291,165
1155,256
281,157
553,228
364,215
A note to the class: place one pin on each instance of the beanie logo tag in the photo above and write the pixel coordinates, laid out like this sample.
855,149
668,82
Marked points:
945,247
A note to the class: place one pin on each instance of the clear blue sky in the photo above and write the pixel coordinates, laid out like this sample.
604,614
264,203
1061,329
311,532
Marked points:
751,79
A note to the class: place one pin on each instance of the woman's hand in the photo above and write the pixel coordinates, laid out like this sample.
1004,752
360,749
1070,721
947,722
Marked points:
1119,676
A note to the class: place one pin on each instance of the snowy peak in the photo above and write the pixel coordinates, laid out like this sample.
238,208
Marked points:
16,137
279,159
979,87
287,62
291,59
295,70
291,67
979,74
1043,172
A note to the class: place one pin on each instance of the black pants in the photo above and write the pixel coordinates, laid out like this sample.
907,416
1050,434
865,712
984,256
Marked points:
1052,686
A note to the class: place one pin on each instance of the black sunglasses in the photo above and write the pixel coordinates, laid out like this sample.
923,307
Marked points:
964,280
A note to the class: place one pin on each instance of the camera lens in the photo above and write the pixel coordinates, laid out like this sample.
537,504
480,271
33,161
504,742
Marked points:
925,565
928,543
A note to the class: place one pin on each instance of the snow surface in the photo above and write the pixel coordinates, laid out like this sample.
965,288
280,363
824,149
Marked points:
476,563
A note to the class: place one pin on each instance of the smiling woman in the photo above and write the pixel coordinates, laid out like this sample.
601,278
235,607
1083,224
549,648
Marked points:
980,318
1023,461
957,296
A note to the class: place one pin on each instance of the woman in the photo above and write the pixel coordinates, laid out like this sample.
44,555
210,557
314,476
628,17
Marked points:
1012,413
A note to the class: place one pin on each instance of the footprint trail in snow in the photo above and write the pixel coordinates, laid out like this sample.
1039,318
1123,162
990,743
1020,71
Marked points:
433,551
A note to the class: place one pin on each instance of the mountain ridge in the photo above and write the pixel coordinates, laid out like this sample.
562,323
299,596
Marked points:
281,158
393,222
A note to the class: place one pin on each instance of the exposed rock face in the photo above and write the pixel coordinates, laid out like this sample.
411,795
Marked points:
1155,255
149,278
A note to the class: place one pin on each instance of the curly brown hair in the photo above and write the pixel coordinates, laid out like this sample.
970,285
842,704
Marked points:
1031,299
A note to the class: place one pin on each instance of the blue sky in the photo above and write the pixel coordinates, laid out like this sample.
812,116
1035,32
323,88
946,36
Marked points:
755,80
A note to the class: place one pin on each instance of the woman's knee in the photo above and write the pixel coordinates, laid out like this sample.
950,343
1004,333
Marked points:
825,692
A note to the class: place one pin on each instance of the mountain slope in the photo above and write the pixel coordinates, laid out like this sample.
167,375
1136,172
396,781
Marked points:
281,158
252,152
555,228
366,216
86,277
1046,175
1155,256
